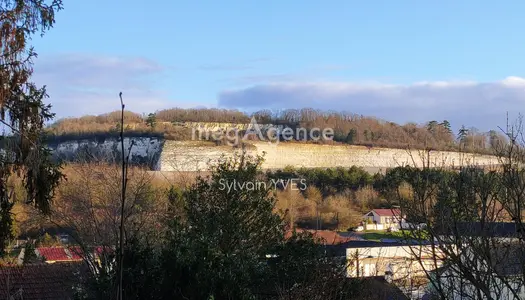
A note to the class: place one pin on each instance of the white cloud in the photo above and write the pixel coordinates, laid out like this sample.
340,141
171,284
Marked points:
483,105
514,81
80,84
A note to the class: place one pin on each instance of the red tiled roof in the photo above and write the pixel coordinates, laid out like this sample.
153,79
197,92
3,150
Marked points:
76,252
387,212
103,250
42,281
53,253
327,236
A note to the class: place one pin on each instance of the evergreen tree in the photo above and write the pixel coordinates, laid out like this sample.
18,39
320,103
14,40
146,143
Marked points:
151,120
228,228
351,137
446,125
431,126
463,135
23,110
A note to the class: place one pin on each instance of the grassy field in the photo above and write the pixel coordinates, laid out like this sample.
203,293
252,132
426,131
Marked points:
377,235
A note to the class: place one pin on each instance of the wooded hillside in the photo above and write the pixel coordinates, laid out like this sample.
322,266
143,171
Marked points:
348,128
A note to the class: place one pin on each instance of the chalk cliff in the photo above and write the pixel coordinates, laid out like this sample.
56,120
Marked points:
166,155
183,156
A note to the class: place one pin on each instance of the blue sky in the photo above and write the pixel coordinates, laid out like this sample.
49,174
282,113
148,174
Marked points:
399,60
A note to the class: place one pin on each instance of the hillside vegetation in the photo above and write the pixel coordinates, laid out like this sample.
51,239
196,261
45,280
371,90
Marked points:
348,128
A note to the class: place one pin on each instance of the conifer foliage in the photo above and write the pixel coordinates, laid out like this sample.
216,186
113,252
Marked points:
23,111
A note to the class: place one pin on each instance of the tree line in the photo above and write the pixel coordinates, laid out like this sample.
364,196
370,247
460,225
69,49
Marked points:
331,198
350,129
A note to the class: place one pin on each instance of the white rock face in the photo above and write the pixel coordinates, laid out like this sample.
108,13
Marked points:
185,156
162,155
144,150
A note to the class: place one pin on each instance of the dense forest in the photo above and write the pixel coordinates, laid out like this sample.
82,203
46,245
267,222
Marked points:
348,128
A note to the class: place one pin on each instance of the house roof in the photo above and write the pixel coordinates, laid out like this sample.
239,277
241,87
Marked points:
59,253
76,252
100,250
505,259
374,244
53,253
387,212
40,281
370,244
476,229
